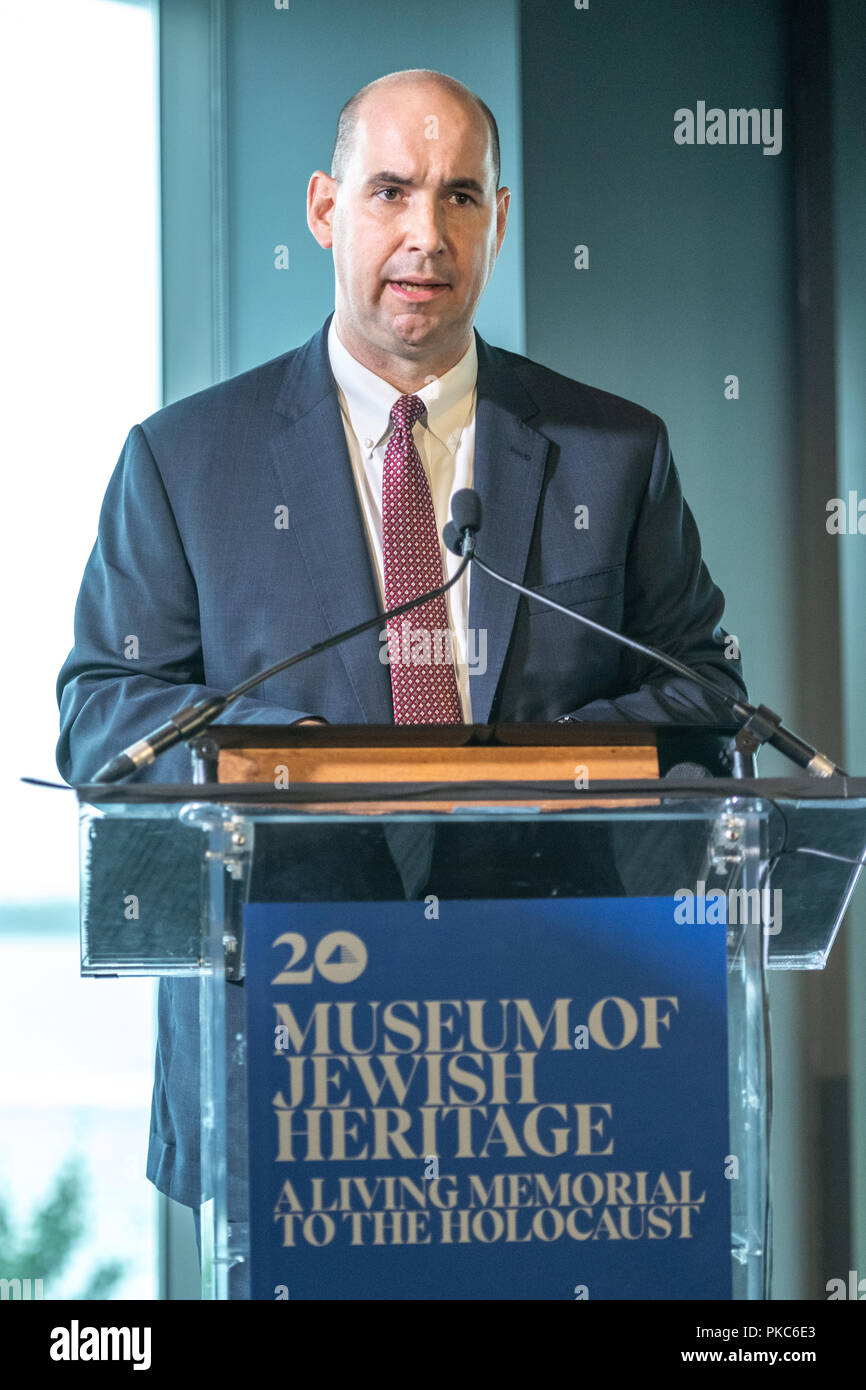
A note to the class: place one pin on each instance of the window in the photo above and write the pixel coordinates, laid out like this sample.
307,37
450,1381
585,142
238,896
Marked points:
79,269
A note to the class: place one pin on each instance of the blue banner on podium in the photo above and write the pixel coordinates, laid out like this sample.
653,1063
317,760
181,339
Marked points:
503,1099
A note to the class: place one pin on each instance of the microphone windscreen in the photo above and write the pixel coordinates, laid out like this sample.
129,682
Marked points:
452,538
466,509
687,772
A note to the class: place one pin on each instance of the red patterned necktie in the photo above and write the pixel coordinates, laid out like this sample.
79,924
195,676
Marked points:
423,680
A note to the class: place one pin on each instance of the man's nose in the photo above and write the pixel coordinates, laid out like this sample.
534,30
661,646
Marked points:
424,231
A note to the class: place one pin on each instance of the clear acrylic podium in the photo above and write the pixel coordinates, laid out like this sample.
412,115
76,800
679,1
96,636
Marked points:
166,870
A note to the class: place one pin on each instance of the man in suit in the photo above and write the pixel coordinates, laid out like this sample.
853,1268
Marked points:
277,508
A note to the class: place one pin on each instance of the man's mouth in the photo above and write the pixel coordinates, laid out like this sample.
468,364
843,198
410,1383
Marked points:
416,291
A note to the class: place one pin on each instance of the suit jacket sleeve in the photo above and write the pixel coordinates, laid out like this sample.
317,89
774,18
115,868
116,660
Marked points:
670,603
137,657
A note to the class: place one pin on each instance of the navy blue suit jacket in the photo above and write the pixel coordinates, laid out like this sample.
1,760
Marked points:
190,562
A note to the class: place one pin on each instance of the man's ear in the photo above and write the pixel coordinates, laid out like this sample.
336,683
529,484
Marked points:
503,199
321,204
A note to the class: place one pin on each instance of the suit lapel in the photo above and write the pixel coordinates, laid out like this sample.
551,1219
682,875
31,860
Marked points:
312,460
510,459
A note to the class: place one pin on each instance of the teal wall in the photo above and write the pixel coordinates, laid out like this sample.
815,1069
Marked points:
690,274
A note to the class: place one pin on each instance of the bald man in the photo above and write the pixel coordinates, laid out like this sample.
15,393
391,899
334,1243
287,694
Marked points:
358,439
415,217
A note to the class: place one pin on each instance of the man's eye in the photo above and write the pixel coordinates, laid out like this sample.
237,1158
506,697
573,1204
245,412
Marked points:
392,189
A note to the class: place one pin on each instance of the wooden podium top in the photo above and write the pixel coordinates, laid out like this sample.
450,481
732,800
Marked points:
573,755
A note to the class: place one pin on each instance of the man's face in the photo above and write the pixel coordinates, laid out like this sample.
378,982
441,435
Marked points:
417,203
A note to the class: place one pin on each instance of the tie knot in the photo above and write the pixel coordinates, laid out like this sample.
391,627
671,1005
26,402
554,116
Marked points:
406,410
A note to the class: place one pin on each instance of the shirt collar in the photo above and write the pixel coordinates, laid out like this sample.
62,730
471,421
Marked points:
368,399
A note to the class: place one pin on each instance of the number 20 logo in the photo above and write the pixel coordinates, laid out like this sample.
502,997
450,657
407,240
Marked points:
339,957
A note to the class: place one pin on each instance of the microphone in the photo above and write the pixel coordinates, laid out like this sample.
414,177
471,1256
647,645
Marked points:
466,510
459,534
759,724
188,721
193,718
